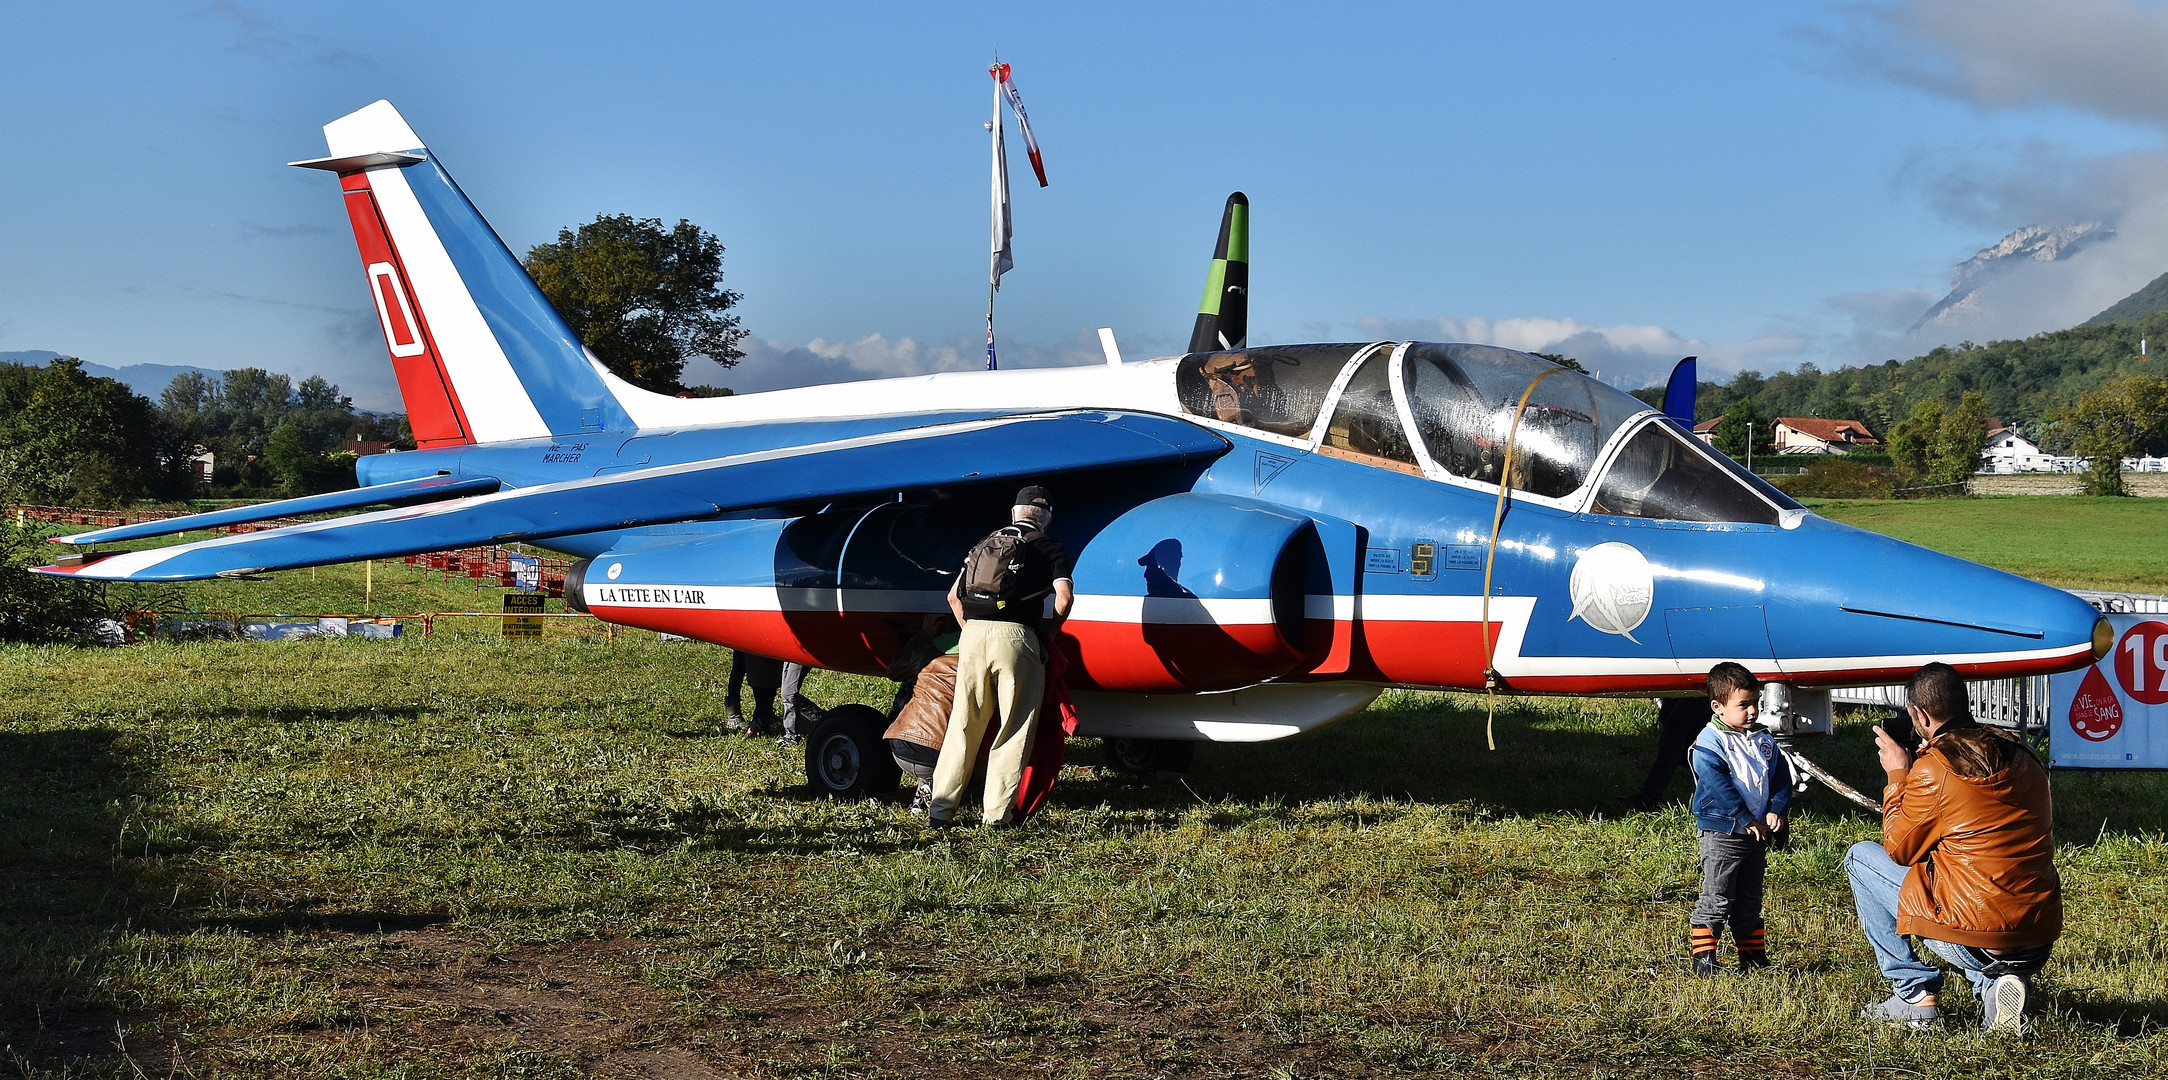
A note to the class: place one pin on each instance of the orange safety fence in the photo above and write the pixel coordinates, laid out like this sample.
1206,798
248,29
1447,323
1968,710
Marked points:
144,625
107,519
491,565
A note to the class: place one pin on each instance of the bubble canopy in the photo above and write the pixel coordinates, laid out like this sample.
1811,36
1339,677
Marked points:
1462,398
1460,401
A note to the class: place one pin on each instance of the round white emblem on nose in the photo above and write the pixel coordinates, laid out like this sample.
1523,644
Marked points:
1612,589
617,568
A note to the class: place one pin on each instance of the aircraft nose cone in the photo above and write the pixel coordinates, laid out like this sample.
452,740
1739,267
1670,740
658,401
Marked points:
1896,606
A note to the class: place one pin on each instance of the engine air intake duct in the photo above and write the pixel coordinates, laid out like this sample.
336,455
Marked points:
1192,592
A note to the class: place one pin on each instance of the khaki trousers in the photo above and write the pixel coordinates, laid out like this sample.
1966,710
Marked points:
1000,675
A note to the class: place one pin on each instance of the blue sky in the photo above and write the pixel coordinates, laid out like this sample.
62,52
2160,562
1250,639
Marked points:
1764,184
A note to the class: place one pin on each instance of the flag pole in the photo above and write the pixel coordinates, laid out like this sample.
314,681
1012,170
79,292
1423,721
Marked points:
993,280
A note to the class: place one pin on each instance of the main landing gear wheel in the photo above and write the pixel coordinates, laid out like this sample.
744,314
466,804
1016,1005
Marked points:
846,758
1147,756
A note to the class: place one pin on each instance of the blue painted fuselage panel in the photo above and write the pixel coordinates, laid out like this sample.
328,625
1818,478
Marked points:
1831,598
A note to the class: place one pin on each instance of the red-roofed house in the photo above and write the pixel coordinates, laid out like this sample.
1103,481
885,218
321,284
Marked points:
1814,435
1706,430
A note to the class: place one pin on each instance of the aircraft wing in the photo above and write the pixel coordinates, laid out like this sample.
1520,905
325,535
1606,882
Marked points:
1001,448
426,489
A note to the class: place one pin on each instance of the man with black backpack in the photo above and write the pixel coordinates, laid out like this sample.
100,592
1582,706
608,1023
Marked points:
999,599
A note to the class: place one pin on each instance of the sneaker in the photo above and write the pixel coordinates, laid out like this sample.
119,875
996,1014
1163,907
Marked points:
1918,1015
922,799
1750,960
788,740
938,823
735,721
1705,966
2003,1007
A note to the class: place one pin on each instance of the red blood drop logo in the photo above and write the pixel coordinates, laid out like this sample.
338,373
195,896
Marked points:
2095,714
2141,662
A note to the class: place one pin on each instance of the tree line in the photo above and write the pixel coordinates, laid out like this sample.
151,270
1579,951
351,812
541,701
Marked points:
76,439
2085,392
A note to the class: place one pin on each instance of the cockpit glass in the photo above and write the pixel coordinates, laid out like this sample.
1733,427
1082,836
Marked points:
1660,474
1463,398
1365,425
1278,388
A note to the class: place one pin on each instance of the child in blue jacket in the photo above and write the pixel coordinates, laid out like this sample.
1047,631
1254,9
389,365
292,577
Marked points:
1742,787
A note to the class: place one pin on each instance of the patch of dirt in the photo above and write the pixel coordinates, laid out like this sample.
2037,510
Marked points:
435,996
452,998
2151,485
60,1033
437,999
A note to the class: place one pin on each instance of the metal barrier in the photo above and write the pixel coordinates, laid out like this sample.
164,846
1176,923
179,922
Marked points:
106,519
494,564
146,625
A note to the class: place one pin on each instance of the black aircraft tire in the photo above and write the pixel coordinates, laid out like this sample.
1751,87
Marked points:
1147,756
845,757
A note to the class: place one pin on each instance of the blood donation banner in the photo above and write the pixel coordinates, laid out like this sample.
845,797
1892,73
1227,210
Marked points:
2114,715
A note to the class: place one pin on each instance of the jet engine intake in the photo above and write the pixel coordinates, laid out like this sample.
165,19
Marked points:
1192,592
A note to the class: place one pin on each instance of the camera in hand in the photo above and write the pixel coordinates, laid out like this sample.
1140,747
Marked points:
1900,730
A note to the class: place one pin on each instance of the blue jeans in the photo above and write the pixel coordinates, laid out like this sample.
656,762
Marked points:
1876,879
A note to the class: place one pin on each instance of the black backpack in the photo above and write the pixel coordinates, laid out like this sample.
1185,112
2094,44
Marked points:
994,573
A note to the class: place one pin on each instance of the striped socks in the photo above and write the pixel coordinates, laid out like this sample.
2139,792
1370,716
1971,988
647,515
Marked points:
1753,948
1703,940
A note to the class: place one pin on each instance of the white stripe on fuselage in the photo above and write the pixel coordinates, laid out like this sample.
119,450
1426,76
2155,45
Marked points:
496,404
1511,612
1089,607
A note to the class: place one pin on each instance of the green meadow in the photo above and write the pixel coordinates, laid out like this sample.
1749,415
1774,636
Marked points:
459,856
2064,540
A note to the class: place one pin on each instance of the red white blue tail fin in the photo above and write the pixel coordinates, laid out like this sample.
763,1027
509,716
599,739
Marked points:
480,354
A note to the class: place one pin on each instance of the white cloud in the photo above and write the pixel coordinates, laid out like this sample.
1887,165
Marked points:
770,365
1627,355
2098,56
2093,56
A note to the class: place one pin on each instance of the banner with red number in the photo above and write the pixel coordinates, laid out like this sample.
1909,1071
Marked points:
2114,715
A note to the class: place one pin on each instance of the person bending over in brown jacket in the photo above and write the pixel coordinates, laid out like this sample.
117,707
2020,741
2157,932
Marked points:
1966,863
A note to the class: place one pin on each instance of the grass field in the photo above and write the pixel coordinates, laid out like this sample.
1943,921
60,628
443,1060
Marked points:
466,858
463,857
2072,542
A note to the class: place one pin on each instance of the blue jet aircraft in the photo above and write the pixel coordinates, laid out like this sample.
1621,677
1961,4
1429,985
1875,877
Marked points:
1264,538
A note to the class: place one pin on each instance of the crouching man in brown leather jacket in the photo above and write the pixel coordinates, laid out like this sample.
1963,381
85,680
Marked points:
1966,864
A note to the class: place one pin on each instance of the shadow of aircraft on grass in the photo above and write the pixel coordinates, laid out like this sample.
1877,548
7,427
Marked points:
65,886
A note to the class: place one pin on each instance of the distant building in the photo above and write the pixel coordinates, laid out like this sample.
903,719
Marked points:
367,448
1706,430
1814,435
2006,451
2006,442
201,465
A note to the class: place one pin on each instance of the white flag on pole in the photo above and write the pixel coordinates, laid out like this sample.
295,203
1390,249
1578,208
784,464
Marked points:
1003,258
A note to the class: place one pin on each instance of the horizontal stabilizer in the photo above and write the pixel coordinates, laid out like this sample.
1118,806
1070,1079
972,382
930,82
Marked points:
426,489
1008,448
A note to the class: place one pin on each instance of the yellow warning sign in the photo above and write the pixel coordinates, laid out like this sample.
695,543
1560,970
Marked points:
523,616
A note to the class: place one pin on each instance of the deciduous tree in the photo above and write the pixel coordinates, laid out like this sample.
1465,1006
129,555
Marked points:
1742,421
2118,419
644,298
68,437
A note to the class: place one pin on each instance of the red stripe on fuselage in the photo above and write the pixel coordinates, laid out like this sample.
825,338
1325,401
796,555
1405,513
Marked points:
1127,657
433,407
1423,653
1187,658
